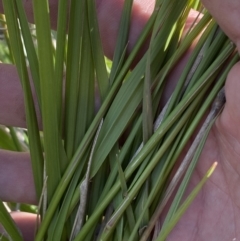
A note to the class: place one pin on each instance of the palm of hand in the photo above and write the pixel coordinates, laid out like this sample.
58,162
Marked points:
214,214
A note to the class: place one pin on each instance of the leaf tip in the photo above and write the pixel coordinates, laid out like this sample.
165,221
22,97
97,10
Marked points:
212,169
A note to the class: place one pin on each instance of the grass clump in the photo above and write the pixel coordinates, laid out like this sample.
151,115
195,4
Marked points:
97,187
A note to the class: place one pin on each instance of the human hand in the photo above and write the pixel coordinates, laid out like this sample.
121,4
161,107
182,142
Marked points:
226,14
215,213
205,217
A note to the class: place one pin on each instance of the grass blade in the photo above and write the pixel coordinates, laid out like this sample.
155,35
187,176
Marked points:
122,40
147,112
77,22
84,192
86,96
6,142
52,143
60,53
97,52
185,205
15,139
30,49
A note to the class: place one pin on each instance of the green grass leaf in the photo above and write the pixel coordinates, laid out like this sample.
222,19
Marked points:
77,22
6,142
97,52
30,49
52,136
164,233
60,54
122,40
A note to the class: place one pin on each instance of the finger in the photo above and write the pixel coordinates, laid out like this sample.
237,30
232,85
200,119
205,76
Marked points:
26,222
16,179
11,98
12,111
226,14
227,130
53,6
109,15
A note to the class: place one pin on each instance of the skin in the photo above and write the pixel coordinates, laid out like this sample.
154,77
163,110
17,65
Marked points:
215,213
227,14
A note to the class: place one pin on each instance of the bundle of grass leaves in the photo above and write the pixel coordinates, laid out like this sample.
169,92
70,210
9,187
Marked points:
90,185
